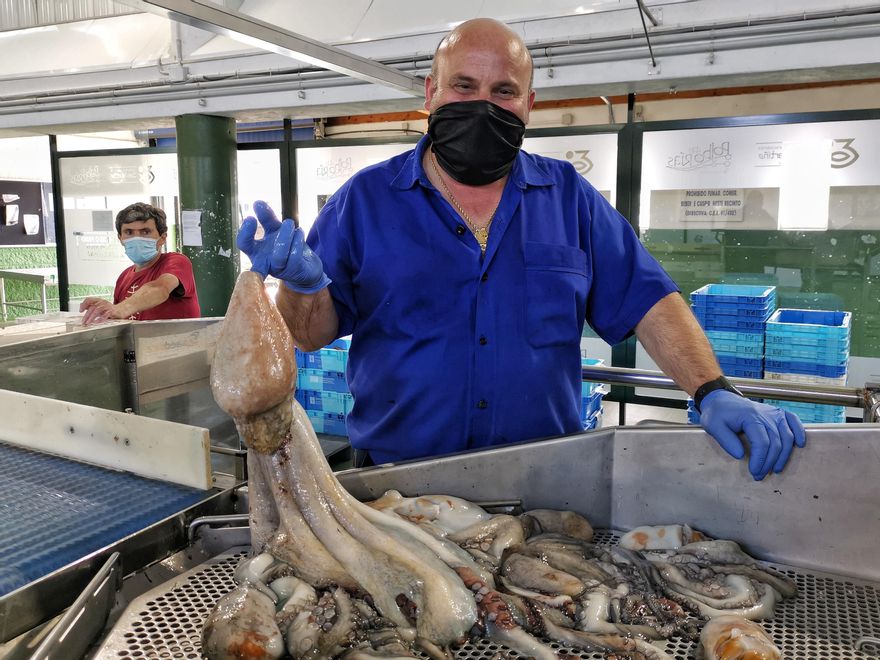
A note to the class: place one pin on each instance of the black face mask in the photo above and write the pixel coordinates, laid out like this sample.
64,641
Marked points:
476,142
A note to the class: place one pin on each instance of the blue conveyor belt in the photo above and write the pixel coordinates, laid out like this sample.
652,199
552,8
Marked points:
54,511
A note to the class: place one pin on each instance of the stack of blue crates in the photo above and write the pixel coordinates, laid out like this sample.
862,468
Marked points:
733,317
321,388
809,346
591,398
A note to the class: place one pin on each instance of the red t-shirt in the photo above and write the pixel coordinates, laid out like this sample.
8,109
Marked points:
183,303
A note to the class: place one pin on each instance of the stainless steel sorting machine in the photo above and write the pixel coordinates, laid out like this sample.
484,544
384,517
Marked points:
818,521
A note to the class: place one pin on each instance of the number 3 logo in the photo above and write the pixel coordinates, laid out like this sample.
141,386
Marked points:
845,155
580,160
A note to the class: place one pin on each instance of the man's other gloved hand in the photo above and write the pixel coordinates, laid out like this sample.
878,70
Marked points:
282,252
771,432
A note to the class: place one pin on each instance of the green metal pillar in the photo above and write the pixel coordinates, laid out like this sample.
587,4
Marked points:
206,171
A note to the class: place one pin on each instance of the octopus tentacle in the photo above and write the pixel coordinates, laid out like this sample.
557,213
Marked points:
498,622
535,574
262,511
445,608
781,583
294,542
492,536
603,642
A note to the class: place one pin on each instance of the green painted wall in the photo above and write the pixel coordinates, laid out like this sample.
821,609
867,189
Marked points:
27,294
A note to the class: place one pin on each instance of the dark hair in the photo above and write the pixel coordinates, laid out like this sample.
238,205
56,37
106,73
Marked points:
141,211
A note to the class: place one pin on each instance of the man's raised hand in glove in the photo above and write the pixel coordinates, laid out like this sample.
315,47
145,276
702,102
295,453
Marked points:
282,252
772,432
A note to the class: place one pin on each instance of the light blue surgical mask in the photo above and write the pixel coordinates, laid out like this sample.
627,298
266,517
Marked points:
140,250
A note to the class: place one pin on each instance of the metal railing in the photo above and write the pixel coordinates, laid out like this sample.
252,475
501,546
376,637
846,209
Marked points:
866,398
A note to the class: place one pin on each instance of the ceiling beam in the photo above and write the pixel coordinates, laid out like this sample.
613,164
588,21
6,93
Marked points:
249,30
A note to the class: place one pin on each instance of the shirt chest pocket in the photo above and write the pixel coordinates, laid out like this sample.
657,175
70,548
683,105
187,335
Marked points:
556,293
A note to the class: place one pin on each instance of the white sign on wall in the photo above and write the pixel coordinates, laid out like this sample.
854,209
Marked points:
593,156
321,171
94,256
88,183
804,162
137,175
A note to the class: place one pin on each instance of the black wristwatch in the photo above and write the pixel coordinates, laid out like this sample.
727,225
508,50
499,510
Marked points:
720,383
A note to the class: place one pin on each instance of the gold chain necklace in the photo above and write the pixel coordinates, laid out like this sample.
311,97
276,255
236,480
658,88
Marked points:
480,233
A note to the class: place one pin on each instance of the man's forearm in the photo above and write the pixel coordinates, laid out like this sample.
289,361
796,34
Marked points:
311,317
146,297
676,342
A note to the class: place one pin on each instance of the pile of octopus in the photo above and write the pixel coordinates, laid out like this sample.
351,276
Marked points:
330,576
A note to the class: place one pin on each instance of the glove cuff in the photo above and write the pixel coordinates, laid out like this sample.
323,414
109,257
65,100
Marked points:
322,283
720,383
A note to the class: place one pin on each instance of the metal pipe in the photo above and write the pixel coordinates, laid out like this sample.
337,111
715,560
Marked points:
220,520
789,391
228,451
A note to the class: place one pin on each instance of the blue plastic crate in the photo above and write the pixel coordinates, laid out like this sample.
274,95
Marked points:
594,422
735,337
813,413
343,343
780,336
736,349
740,324
743,372
591,404
817,354
327,359
742,294
322,381
745,361
818,323
723,309
809,368
736,343
339,403
327,423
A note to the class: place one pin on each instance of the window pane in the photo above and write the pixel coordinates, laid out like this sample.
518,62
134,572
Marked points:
795,206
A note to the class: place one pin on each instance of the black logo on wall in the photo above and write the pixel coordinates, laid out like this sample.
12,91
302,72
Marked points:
845,155
715,156
580,159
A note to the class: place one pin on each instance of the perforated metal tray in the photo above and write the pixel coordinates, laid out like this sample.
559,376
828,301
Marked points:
826,620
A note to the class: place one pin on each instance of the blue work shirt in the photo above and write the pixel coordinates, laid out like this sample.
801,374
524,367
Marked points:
452,350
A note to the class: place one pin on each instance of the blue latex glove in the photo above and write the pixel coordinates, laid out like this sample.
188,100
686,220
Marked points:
771,432
282,252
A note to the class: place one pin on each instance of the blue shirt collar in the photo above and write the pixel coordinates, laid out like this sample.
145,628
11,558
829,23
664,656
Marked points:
525,171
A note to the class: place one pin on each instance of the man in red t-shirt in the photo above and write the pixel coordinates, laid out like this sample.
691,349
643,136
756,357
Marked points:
160,285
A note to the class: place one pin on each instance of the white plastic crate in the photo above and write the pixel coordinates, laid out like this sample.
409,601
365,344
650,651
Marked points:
804,378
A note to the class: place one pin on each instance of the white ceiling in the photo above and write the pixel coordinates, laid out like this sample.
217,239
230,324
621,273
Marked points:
96,69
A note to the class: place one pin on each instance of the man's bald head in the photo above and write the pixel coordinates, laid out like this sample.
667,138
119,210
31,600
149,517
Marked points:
480,32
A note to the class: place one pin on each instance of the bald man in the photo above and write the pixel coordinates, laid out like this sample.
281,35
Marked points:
465,270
